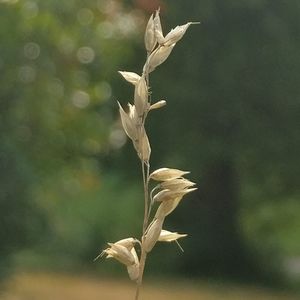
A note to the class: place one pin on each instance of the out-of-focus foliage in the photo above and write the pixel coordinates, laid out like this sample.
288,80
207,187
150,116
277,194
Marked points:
58,60
236,94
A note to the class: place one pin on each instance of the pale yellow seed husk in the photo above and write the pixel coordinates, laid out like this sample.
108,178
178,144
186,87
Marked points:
158,104
150,38
177,184
141,97
168,236
163,174
128,124
152,234
157,57
130,77
177,33
133,270
120,253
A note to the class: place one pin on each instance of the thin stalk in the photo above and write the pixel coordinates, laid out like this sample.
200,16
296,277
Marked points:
147,207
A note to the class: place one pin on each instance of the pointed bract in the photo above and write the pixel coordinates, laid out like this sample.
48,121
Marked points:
130,77
177,33
158,104
163,174
150,38
128,123
152,234
168,236
141,97
157,57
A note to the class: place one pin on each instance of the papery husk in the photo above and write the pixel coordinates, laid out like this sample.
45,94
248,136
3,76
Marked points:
131,77
129,124
163,174
157,57
141,97
152,234
150,38
168,236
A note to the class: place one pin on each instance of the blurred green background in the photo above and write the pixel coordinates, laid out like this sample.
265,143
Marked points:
69,179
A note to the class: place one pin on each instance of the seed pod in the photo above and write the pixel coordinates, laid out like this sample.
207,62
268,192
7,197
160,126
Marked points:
141,97
150,38
177,33
128,123
157,57
152,234
163,174
168,236
158,104
130,77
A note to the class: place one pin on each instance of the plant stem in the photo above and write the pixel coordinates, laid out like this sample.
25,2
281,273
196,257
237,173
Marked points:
141,272
147,205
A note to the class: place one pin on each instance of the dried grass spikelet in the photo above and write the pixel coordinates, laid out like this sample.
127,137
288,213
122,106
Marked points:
142,146
133,270
168,236
164,174
157,57
130,77
177,33
177,184
157,22
141,96
150,38
168,195
152,234
129,122
166,207
120,253
158,104
127,243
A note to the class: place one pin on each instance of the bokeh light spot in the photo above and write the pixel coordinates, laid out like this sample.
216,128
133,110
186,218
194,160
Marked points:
85,55
85,16
80,99
27,74
32,50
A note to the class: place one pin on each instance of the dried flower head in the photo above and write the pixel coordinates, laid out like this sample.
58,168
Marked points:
172,187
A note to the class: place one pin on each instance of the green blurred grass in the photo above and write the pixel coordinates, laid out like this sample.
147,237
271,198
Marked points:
37,286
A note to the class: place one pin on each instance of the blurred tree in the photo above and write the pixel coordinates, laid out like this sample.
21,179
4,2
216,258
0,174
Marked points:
233,120
56,61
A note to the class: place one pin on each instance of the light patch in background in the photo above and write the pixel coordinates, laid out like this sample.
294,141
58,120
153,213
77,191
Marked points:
66,45
105,29
85,55
117,138
9,1
32,50
30,9
80,99
126,25
103,91
109,7
27,74
85,16
56,88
